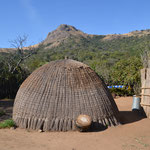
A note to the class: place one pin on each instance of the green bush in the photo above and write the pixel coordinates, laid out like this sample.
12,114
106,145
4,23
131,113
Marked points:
122,91
7,124
10,82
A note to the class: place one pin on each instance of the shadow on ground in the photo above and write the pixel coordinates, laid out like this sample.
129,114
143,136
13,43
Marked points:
6,106
131,116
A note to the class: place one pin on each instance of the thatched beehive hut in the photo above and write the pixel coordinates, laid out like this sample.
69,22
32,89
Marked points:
53,96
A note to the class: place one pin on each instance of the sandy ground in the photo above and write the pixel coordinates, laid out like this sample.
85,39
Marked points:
134,134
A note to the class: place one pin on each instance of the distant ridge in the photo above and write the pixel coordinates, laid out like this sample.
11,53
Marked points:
130,34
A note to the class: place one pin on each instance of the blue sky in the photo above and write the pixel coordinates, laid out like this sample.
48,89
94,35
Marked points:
36,18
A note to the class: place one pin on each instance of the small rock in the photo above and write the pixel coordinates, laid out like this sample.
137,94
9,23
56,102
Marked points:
40,131
12,128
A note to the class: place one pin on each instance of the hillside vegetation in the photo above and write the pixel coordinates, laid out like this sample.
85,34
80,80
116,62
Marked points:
116,58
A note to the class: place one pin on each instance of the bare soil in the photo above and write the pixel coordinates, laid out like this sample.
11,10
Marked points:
134,134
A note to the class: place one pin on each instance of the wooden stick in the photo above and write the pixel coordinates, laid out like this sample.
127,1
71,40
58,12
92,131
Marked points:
145,88
145,94
145,104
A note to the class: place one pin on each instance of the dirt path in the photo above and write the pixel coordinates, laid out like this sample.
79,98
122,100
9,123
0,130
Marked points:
133,135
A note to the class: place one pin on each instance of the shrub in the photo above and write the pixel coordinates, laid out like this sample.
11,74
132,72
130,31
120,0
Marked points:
122,91
7,124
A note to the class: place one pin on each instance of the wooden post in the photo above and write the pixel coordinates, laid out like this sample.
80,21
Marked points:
145,90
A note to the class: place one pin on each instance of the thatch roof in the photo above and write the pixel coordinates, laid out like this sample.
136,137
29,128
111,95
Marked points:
53,96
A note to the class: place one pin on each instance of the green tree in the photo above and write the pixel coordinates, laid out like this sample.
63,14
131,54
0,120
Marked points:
127,72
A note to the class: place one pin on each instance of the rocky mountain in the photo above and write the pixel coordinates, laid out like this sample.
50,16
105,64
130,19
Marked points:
64,33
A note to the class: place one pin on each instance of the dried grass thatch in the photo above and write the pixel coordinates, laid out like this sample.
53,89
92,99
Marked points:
54,95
